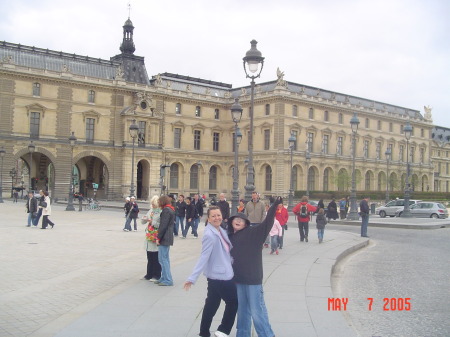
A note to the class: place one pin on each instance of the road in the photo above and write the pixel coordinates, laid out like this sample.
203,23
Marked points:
398,264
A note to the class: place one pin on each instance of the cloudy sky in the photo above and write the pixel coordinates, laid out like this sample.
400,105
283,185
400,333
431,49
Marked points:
393,51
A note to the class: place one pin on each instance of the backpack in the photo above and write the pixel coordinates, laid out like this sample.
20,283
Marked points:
303,211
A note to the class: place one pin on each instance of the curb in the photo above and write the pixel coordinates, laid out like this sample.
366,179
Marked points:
394,225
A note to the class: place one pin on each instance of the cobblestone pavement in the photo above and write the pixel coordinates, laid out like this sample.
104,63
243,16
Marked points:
46,273
398,264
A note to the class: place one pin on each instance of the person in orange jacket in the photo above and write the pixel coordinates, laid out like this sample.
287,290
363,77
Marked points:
282,216
302,210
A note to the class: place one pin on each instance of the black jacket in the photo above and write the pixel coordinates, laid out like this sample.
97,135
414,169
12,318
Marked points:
180,209
190,211
134,210
364,207
127,207
198,208
31,206
247,249
224,208
165,230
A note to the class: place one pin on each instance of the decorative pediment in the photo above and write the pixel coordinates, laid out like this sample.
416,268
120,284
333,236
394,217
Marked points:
380,139
216,129
178,124
327,131
265,126
36,107
296,126
91,114
311,128
198,126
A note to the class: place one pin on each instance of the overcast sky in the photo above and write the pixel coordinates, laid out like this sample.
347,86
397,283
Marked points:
392,51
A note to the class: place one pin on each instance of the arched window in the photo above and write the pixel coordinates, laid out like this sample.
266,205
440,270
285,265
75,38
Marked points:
311,179
294,178
213,178
367,181
174,175
268,178
193,179
326,179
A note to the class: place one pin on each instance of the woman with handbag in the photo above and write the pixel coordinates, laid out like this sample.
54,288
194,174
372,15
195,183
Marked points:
152,219
46,211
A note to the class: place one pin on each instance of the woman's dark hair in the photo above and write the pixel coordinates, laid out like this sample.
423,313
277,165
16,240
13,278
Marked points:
164,200
211,208
46,193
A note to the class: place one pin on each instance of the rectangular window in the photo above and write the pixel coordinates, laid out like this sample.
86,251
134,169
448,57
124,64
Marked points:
216,114
216,142
341,118
367,123
422,155
310,141
35,120
422,133
446,168
366,149
379,126
91,96
294,111
311,113
36,89
340,141
267,109
378,150
141,134
413,150
326,116
325,144
400,154
177,138
178,108
196,139
439,167
391,149
391,127
401,128
198,111
266,139
90,123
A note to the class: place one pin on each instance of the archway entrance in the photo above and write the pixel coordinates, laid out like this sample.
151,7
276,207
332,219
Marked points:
88,172
142,180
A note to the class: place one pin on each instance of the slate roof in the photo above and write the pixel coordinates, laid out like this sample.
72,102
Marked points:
440,134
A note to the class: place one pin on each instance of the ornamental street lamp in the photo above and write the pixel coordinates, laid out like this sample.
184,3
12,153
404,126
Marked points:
408,132
252,61
388,155
134,130
199,163
353,215
308,158
13,175
2,154
72,142
31,149
292,140
236,114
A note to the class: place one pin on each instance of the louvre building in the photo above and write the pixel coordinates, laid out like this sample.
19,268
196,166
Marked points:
185,123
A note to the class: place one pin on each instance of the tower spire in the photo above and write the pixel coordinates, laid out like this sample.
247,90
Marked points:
127,46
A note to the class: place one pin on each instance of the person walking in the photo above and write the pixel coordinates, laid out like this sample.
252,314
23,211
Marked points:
282,216
215,263
198,208
247,241
127,209
165,240
332,210
80,202
320,205
275,234
151,232
364,210
342,210
134,212
302,210
39,213
190,214
321,221
46,212
180,214
16,195
255,210
224,208
32,207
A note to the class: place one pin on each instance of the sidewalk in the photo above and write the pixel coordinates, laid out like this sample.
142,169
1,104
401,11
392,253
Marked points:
83,278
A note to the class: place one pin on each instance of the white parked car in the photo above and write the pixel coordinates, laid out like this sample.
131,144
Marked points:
391,208
427,209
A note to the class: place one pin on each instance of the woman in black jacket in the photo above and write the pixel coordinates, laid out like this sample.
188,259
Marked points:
190,216
165,239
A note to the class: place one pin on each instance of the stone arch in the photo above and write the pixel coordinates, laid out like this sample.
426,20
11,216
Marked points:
91,153
393,181
328,179
313,178
381,185
343,180
143,179
368,180
425,183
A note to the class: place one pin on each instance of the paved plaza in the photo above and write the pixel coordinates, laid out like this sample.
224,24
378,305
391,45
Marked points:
83,278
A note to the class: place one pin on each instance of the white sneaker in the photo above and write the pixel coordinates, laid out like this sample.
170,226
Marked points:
220,334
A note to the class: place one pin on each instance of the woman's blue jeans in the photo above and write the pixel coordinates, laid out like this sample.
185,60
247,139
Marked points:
252,306
163,259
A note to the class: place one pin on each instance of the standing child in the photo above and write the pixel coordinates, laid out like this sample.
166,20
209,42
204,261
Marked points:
321,221
275,234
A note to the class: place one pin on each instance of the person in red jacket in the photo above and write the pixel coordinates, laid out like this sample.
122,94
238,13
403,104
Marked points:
282,216
302,210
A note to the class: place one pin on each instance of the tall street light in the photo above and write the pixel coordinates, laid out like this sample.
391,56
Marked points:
252,61
388,155
2,154
408,132
353,215
308,159
72,142
134,130
31,148
236,114
292,140
199,164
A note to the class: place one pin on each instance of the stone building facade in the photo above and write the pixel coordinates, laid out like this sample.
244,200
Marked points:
185,123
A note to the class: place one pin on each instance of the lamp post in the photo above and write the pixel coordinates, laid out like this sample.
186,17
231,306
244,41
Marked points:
12,174
308,158
353,215
2,154
236,114
388,158
252,60
72,142
408,132
199,163
31,149
292,139
134,130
